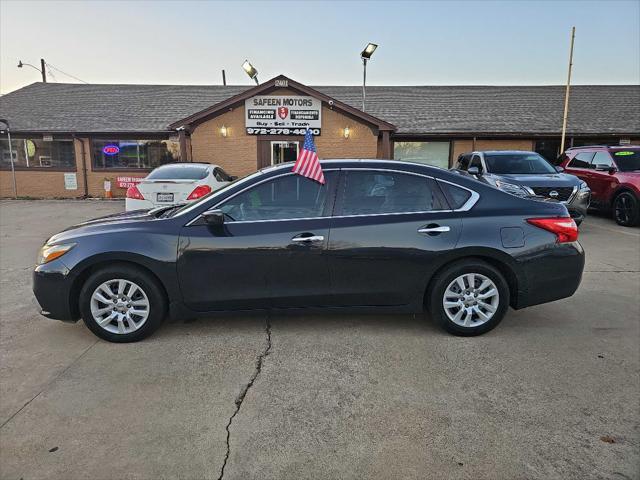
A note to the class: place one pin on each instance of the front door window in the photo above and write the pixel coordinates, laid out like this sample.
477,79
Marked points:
282,152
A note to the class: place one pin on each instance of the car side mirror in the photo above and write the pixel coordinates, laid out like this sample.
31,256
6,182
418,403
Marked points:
213,218
473,170
612,170
559,169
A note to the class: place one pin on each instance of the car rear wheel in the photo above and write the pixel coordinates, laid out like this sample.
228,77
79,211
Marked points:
626,209
469,297
122,304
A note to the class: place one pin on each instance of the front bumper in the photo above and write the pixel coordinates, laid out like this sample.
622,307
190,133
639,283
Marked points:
52,289
579,204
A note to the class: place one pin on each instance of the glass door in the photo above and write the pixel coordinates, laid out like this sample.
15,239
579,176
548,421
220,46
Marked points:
283,151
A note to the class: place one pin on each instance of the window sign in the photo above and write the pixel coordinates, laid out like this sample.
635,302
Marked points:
111,150
282,115
70,181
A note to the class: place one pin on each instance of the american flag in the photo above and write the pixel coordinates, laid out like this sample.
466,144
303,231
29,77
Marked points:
307,163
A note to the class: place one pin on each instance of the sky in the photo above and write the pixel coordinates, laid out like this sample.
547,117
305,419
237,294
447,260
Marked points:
508,42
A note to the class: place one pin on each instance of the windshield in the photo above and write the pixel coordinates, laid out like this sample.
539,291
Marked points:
517,163
179,172
627,160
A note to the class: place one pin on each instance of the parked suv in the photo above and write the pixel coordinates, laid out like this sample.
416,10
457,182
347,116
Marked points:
528,175
613,174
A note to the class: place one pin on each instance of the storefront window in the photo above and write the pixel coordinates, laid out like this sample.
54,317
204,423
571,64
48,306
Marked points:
125,154
37,153
430,153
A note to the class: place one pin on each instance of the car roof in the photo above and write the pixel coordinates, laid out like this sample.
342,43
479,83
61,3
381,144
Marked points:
187,164
604,147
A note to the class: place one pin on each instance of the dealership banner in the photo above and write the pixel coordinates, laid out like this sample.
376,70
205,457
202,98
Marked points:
282,115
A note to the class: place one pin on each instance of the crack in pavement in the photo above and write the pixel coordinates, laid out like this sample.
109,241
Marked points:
243,393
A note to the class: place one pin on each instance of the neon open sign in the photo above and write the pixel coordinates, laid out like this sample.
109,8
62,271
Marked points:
111,149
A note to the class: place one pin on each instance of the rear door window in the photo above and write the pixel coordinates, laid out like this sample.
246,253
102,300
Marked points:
381,192
581,160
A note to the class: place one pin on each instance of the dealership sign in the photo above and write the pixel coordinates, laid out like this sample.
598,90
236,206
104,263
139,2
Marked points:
126,182
282,115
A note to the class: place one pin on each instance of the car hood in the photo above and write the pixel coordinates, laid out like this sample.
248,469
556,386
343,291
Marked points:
118,221
540,180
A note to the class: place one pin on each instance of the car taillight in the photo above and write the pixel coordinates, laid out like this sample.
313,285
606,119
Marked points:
564,228
133,192
199,191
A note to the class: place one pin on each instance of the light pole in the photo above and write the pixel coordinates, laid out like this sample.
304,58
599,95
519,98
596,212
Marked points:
251,71
41,69
13,170
366,55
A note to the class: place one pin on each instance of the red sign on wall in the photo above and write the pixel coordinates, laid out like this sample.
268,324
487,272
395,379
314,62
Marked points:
126,182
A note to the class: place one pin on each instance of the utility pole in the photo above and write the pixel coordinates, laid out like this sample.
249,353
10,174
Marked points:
42,69
566,94
224,78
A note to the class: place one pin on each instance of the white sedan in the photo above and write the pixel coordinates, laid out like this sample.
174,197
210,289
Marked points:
176,183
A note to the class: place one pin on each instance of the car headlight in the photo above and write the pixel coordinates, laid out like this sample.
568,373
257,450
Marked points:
516,190
50,252
583,185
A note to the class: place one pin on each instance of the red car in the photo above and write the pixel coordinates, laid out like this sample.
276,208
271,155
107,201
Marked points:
613,175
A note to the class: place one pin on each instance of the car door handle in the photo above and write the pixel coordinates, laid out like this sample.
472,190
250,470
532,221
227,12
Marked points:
310,239
434,229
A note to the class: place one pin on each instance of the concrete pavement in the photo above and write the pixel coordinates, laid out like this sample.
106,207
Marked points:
552,392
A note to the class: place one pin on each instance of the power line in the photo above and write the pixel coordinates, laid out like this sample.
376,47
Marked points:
65,73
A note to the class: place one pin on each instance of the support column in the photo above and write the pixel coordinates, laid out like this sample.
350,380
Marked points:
182,137
386,144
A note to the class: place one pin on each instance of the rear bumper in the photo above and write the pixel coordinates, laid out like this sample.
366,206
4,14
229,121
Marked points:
550,275
52,289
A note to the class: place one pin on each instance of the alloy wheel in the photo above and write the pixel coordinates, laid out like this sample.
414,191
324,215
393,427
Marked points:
471,300
119,306
623,209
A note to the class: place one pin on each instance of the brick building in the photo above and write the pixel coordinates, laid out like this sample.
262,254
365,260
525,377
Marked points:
67,139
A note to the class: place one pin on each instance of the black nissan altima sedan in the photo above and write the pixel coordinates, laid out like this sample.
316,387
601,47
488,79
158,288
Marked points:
377,236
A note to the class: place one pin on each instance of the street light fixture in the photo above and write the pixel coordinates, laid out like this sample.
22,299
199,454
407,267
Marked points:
41,69
366,55
251,71
13,171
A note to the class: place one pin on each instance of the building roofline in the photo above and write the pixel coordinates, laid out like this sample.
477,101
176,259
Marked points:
269,86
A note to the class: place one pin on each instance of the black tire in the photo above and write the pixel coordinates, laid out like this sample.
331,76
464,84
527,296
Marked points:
446,276
626,209
148,284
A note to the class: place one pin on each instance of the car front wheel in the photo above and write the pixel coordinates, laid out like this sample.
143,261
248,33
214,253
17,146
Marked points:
122,304
626,209
469,297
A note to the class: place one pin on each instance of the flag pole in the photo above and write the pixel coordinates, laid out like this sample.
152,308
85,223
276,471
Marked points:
566,94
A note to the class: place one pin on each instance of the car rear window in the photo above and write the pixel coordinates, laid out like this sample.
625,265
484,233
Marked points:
627,160
179,172
456,196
